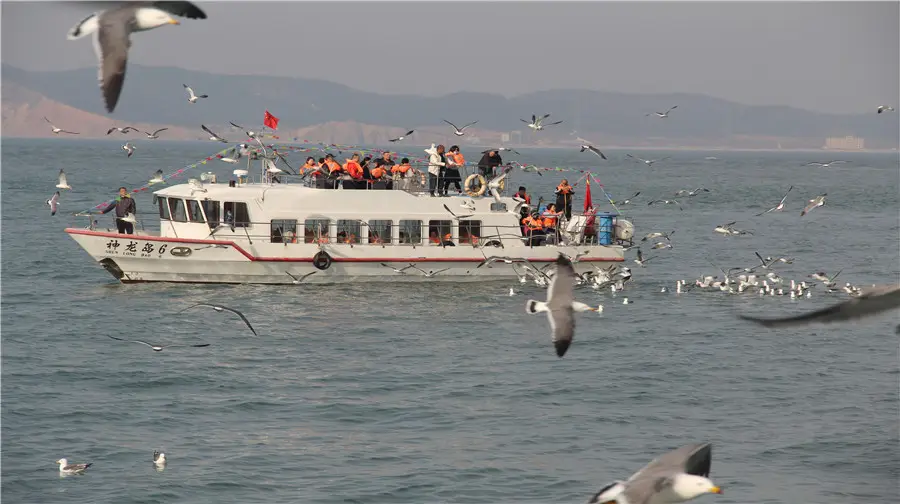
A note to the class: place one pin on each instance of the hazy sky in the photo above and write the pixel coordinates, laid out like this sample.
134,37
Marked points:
825,56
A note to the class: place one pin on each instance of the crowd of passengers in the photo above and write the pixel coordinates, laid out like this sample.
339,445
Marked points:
536,226
356,173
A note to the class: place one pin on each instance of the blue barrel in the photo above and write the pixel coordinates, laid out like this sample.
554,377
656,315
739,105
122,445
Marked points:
606,229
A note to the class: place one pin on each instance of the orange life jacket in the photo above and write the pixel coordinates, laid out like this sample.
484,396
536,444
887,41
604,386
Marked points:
434,239
400,168
378,172
458,158
354,169
533,224
333,166
525,196
564,190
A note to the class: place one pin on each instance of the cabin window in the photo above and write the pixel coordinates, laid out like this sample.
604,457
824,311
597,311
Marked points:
380,232
469,231
194,213
236,214
348,231
284,231
211,209
163,204
498,207
176,209
411,232
439,231
316,231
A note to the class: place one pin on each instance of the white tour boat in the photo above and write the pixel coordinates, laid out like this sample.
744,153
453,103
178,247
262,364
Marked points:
272,232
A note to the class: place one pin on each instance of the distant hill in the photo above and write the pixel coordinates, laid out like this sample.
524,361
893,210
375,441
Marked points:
155,95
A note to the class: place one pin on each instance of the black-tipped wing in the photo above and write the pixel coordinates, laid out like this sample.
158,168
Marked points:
239,314
183,9
410,132
596,151
157,131
451,124
693,459
874,301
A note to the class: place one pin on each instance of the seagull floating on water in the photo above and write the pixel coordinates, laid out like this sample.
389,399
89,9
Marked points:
112,29
401,137
691,193
159,460
62,184
885,108
54,203
813,204
662,115
458,131
57,131
191,96
560,305
780,206
677,476
65,468
220,308
158,348
536,123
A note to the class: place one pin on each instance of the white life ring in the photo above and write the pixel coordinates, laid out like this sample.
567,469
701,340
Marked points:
469,183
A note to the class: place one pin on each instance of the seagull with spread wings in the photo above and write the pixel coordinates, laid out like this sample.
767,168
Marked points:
459,131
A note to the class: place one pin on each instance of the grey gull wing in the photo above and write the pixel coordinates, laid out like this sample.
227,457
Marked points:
559,305
875,300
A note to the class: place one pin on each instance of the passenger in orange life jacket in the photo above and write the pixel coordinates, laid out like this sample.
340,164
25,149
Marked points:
310,168
534,227
403,168
522,195
551,220
564,195
380,172
333,170
353,169
455,161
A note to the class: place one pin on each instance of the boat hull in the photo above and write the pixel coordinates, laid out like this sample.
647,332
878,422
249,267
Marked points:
151,258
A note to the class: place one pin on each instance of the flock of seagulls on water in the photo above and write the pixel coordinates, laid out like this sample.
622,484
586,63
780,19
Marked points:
677,476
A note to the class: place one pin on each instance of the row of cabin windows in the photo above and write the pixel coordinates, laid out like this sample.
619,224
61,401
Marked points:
409,232
179,210
317,230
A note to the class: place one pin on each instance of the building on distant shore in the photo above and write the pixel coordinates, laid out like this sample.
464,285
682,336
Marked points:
848,142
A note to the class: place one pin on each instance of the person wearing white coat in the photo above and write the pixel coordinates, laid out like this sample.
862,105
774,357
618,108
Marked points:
436,166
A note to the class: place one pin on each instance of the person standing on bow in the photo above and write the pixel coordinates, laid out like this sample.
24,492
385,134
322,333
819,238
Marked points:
490,160
436,164
124,205
455,162
564,194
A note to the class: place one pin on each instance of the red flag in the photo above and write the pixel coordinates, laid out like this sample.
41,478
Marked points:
588,205
270,121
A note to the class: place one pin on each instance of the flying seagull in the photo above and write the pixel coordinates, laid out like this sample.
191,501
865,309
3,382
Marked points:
627,201
501,149
560,305
214,137
250,134
459,131
869,302
191,96
112,29
648,162
57,131
824,165
128,148
667,202
780,206
158,348
813,204
410,132
155,134
677,476
640,259
691,193
401,271
297,280
662,115
157,178
54,203
220,308
428,274
537,122
885,108
457,217
66,468
63,184
124,130
586,146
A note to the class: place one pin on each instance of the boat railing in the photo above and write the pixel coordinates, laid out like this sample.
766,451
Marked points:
413,232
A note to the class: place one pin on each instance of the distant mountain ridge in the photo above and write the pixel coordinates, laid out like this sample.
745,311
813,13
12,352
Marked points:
155,95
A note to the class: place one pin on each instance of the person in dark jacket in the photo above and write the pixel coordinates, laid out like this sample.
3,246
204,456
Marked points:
489,161
124,205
